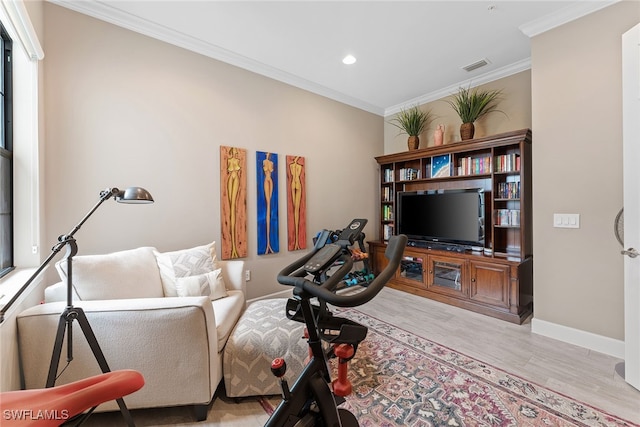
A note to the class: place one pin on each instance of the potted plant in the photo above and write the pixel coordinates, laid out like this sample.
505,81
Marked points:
472,104
413,122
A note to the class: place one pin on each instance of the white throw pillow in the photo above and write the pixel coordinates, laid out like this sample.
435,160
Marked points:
125,274
184,263
193,286
209,284
217,284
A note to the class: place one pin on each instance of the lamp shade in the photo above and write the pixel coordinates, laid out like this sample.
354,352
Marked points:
134,195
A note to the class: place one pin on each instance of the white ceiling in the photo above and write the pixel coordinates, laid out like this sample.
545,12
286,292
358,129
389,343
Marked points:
407,52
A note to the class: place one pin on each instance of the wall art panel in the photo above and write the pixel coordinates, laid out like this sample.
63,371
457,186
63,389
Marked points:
233,202
296,203
267,202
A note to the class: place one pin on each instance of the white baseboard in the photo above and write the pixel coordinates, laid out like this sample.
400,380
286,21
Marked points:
591,341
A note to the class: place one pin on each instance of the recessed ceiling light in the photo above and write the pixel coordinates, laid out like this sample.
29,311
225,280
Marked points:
349,60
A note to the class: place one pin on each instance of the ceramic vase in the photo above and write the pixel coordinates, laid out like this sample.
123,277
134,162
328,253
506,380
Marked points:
438,135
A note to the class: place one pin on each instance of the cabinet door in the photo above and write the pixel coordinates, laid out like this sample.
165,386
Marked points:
489,283
412,269
447,276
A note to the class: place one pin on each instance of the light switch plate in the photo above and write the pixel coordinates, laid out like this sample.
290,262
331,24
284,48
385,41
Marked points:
566,220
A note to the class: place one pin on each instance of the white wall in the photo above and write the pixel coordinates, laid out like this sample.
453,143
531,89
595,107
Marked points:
123,109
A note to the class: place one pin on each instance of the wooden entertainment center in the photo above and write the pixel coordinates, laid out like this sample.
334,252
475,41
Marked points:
497,279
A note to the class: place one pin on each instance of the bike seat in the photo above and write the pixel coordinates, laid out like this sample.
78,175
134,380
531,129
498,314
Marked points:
55,405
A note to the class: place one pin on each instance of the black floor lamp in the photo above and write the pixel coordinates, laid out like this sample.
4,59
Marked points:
71,313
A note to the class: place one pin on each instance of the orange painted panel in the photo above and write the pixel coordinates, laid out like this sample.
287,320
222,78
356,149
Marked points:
233,202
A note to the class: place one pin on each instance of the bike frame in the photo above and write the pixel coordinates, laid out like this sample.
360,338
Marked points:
311,386
311,401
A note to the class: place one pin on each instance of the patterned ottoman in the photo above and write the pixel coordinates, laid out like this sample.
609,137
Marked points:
262,334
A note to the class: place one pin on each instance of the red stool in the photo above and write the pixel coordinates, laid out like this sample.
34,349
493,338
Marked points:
53,406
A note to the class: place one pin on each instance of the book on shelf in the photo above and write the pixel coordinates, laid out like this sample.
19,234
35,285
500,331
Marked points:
474,165
388,175
508,190
387,213
507,217
387,231
387,194
409,174
508,163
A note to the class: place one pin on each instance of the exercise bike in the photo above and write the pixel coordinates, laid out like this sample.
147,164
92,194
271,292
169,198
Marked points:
357,277
313,399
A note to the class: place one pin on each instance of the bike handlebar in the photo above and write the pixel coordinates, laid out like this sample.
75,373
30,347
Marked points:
292,276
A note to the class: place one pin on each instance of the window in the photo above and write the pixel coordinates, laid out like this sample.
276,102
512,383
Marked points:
6,156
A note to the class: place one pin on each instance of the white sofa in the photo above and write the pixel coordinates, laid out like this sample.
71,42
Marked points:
166,315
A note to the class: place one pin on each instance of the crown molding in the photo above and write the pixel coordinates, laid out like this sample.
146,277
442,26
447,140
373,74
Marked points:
563,16
114,16
497,74
19,18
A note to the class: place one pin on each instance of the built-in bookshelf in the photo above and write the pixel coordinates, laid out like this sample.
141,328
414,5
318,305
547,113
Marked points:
499,164
496,279
387,194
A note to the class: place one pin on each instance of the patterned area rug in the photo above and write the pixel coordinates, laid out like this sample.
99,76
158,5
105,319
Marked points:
400,379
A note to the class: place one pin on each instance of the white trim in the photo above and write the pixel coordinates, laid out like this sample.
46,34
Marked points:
563,16
26,197
34,162
19,18
591,341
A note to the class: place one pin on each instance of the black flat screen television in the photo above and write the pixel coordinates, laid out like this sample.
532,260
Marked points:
445,216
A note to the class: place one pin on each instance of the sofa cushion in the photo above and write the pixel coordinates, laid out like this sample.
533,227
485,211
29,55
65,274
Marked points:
227,311
184,263
131,273
217,285
193,286
210,284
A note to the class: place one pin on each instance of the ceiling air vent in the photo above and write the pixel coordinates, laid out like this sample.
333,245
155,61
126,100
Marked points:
476,65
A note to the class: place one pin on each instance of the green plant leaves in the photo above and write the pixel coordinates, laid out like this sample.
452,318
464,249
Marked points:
473,104
412,121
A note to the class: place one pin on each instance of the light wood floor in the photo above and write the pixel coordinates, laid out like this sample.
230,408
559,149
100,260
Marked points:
576,372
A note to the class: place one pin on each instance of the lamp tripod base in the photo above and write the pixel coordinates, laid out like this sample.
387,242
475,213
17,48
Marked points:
65,324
